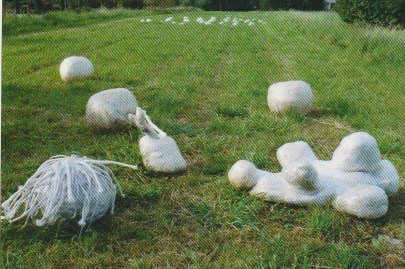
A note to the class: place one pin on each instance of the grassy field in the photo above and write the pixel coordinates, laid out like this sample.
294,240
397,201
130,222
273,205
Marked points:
206,86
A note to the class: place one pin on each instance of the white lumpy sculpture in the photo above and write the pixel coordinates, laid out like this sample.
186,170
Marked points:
356,180
109,109
159,151
295,94
75,67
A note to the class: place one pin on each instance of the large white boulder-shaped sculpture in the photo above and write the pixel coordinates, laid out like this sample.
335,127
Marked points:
356,180
75,67
109,109
159,151
287,95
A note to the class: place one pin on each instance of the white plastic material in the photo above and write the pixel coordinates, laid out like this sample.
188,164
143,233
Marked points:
66,187
109,109
75,67
294,94
159,151
356,180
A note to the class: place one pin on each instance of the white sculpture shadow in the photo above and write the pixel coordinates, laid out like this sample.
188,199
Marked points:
356,180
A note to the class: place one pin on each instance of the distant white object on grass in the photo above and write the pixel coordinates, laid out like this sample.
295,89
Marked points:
109,109
169,19
251,23
186,19
200,20
148,20
356,180
142,20
65,187
159,151
283,96
75,67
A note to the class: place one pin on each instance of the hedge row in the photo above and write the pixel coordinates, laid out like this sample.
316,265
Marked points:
379,12
40,6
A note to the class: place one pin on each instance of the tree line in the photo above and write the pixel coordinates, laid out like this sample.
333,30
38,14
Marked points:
43,6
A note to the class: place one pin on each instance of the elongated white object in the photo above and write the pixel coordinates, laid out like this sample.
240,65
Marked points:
159,151
356,180
286,95
75,67
109,109
66,187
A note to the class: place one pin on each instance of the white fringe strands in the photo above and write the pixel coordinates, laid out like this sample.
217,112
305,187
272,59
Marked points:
159,151
66,187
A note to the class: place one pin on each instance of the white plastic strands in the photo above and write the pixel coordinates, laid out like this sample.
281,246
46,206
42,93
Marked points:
66,187
75,67
356,180
283,96
159,151
109,109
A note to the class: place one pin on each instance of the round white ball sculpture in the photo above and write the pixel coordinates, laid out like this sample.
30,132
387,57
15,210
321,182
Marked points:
356,180
295,94
109,109
75,67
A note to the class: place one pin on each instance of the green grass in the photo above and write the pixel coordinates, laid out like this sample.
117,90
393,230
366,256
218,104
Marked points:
206,86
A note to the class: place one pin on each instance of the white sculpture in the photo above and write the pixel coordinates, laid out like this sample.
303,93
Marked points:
159,151
356,180
294,94
75,67
109,109
65,187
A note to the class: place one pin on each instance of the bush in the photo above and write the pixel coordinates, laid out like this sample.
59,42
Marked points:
93,3
108,3
130,3
160,3
381,12
292,4
242,5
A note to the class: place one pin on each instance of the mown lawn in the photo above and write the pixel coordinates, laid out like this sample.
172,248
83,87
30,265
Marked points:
206,86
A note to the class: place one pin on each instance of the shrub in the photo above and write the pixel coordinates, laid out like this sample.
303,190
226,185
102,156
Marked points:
130,3
160,3
292,4
93,3
229,5
382,12
108,3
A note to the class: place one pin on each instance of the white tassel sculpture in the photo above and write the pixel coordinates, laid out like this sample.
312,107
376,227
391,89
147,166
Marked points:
356,180
109,109
159,151
66,187
75,67
283,96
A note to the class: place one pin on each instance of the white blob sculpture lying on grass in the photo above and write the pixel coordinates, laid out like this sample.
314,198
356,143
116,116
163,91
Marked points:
295,94
159,151
109,109
356,180
66,187
75,67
